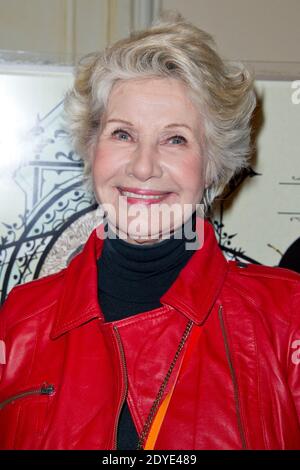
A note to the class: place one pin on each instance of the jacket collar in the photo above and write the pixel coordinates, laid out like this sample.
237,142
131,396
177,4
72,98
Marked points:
193,293
199,283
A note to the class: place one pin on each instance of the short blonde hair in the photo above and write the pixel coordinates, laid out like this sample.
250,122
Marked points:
173,48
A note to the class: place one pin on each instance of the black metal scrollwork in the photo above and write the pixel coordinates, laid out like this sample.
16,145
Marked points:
54,197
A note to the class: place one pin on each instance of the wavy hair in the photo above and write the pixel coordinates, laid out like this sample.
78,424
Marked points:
172,47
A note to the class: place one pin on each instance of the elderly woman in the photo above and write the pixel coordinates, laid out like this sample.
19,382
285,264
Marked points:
150,338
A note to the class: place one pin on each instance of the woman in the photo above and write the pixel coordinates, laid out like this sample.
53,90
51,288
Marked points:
150,338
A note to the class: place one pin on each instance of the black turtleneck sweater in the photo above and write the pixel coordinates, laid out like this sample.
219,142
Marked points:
131,280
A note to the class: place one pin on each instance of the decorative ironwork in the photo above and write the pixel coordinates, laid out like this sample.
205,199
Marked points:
54,197
224,238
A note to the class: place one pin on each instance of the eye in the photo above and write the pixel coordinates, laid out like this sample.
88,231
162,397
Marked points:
120,134
178,140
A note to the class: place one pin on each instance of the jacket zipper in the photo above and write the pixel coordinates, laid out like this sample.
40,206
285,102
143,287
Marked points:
124,374
45,389
234,379
163,387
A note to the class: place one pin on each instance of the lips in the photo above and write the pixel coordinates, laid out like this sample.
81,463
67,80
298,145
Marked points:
145,196
145,192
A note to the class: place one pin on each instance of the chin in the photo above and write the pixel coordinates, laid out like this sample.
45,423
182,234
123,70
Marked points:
151,236
142,241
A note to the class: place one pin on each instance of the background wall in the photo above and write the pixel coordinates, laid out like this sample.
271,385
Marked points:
249,30
70,27
265,32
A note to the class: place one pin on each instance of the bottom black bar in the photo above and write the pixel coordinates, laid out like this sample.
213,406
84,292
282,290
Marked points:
135,459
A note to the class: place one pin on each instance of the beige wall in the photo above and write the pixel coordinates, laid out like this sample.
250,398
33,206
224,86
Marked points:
67,28
266,30
251,30
54,27
32,25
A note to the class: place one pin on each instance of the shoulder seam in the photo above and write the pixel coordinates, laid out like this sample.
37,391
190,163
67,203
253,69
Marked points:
29,315
42,280
292,277
252,301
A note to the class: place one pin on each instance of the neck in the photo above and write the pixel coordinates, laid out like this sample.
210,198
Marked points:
137,276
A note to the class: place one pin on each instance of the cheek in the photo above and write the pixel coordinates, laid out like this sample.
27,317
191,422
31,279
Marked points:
192,173
104,165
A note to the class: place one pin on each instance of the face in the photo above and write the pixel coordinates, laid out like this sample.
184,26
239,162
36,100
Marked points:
148,165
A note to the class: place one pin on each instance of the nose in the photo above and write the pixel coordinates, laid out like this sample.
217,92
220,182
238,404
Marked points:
144,162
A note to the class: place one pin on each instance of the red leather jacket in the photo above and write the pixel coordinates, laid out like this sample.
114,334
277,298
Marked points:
67,372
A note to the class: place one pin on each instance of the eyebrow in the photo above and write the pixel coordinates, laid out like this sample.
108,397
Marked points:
173,124
120,120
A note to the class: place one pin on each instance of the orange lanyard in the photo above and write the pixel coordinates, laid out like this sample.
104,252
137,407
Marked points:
160,415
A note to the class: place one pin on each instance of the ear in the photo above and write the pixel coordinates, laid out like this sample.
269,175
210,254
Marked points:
92,150
207,176
205,168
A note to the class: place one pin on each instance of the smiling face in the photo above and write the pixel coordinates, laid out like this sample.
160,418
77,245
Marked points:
148,161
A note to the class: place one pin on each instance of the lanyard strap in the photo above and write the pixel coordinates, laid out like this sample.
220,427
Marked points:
160,415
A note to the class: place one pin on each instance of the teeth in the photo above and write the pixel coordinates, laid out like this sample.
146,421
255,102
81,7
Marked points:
140,196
